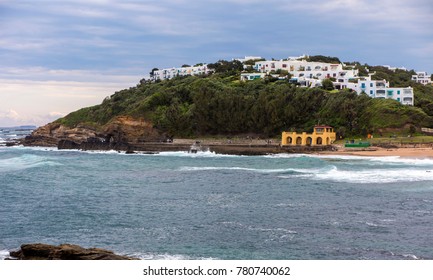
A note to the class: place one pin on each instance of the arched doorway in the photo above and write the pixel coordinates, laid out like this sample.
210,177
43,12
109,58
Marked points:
289,140
299,141
319,141
309,141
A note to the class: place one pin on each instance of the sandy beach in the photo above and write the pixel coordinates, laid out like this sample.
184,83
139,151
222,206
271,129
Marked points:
379,152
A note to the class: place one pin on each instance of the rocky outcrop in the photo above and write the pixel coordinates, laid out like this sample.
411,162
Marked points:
52,133
119,134
63,252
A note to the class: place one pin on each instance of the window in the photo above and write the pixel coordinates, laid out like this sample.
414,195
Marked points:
398,92
371,91
362,85
371,84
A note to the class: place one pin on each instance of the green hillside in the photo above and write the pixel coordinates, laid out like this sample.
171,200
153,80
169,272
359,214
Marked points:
220,104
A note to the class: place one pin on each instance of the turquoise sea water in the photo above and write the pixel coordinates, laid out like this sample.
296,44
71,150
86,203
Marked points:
206,206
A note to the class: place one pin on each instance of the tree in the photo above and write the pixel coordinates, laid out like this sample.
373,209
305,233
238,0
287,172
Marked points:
153,72
327,84
227,67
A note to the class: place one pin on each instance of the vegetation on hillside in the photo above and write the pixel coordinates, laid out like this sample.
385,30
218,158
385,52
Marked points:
220,104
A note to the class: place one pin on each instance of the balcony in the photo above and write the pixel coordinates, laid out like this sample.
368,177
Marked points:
407,100
407,92
380,93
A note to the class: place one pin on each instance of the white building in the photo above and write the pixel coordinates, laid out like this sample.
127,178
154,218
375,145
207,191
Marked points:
170,73
379,89
395,68
422,78
247,58
311,74
252,76
306,69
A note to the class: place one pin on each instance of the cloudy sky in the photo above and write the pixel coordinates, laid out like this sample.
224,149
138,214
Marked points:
59,56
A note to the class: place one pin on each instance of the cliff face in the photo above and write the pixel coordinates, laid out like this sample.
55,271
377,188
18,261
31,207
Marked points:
120,132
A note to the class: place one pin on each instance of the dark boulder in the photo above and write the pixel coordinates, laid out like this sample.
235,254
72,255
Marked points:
67,144
63,252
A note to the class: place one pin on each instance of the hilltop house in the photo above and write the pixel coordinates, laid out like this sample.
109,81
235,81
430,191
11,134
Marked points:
302,69
377,89
422,78
169,73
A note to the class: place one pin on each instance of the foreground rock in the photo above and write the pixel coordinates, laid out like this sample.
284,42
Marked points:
63,252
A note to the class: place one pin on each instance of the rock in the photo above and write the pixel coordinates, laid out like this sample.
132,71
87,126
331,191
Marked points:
63,252
124,129
67,144
121,133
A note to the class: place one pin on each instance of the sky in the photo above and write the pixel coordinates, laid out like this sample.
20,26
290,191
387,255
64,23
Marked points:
59,56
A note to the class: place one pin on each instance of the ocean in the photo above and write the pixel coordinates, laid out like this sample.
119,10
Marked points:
176,205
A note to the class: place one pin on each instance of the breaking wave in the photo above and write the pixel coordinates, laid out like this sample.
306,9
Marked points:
4,254
24,162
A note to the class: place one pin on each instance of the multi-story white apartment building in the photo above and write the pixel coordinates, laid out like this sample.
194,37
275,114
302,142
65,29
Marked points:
378,89
312,73
422,78
305,69
170,73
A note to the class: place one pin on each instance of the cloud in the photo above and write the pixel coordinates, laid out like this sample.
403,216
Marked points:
37,90
371,14
59,56
11,117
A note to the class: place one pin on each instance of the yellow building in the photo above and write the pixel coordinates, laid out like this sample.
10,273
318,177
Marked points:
322,135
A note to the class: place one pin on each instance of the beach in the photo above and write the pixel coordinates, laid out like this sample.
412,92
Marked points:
421,152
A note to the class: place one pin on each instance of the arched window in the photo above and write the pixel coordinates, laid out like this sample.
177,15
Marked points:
299,141
319,141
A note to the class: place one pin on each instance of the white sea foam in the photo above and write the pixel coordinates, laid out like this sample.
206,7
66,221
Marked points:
410,256
384,159
24,162
289,155
21,147
4,254
376,175
257,170
151,256
204,154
